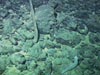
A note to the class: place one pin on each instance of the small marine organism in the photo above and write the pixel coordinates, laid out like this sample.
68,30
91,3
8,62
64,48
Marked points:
36,37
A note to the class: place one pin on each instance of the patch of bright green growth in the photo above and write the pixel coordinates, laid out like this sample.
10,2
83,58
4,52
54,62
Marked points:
12,71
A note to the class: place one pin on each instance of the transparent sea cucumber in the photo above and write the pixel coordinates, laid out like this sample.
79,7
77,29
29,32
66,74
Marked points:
71,66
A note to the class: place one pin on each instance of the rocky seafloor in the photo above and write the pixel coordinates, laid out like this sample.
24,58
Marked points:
67,35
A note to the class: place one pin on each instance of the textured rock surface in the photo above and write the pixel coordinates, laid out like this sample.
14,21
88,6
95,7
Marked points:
45,18
70,38
67,29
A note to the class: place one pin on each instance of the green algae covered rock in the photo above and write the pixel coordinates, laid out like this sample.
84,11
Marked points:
12,71
45,18
67,37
